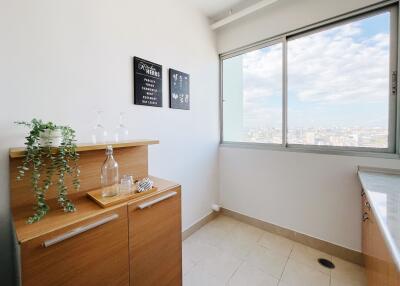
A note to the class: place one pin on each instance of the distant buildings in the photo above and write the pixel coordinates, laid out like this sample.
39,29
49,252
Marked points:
373,137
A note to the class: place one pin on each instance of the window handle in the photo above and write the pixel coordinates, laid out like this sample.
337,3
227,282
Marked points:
394,83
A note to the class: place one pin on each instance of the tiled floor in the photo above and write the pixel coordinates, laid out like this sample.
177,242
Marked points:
229,252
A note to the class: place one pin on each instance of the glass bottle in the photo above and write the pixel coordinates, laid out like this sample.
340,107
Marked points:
109,175
99,133
121,132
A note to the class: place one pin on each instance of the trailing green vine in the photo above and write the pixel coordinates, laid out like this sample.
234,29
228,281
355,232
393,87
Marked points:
43,160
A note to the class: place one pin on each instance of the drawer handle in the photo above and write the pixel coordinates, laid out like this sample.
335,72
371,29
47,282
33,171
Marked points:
155,201
365,216
79,230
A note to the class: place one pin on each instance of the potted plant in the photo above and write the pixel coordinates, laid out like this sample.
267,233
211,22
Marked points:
50,152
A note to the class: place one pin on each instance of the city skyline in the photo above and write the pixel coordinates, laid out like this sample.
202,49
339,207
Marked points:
336,77
369,137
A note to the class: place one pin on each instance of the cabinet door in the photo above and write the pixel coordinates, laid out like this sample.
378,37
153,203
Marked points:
381,270
92,252
155,240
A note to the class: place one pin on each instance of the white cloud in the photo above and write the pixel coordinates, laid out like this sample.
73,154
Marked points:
339,66
262,116
262,73
262,87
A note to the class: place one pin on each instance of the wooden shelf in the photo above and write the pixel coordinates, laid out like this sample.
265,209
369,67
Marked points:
19,152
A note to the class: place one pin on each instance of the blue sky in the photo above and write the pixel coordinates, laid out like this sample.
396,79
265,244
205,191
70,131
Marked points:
336,78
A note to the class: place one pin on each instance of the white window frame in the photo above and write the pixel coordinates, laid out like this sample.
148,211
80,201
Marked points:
394,105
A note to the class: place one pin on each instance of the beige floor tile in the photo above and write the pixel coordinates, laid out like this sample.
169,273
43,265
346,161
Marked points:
346,273
267,261
196,250
187,264
237,247
246,233
299,274
229,252
196,277
220,265
340,282
210,234
276,243
239,240
224,222
309,256
248,275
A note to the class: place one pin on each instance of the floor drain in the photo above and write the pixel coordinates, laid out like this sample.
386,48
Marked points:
326,263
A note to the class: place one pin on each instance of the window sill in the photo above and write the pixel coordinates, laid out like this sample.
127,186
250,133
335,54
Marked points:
310,149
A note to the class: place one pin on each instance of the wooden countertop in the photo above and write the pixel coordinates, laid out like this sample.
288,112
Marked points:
382,188
57,219
19,152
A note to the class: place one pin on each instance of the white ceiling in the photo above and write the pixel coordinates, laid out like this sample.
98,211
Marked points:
211,8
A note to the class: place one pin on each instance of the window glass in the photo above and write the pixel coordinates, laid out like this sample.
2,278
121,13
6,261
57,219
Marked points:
252,96
338,85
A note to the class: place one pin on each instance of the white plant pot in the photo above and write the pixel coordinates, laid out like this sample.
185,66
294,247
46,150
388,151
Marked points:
51,138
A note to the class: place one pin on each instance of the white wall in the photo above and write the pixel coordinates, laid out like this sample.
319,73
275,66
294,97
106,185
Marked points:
281,17
315,194
62,60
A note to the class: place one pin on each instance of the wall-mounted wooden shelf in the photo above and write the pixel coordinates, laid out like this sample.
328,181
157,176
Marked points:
19,152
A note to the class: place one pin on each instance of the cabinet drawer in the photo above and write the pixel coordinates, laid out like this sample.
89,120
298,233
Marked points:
155,240
91,252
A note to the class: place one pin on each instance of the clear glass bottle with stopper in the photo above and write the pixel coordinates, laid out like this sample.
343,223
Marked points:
109,175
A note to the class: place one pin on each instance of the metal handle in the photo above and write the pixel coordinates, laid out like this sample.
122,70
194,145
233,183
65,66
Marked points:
155,201
365,216
79,230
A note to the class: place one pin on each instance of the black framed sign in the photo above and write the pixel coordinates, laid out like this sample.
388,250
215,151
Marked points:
148,82
179,90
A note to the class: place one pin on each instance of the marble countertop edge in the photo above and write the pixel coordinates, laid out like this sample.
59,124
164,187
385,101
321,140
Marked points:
391,244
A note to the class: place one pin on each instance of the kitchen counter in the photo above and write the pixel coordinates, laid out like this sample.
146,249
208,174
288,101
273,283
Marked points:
382,189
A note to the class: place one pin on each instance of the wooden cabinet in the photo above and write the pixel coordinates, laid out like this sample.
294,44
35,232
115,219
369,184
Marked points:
155,240
136,242
381,270
91,252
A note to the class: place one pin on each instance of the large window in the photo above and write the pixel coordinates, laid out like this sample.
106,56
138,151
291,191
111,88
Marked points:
332,87
252,84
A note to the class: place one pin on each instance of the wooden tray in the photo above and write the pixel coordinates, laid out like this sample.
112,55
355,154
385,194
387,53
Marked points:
104,202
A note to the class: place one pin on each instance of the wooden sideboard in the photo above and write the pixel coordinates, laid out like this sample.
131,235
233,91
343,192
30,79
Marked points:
137,242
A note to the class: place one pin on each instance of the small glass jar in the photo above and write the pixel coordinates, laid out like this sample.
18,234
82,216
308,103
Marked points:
110,175
125,187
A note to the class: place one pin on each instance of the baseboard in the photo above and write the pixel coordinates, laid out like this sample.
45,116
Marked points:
327,247
197,225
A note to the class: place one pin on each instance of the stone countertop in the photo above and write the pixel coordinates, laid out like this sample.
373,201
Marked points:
382,188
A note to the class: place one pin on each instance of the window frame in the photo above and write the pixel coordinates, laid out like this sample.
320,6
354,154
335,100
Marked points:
392,151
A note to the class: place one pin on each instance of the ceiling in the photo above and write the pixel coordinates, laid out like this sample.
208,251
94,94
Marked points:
211,8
